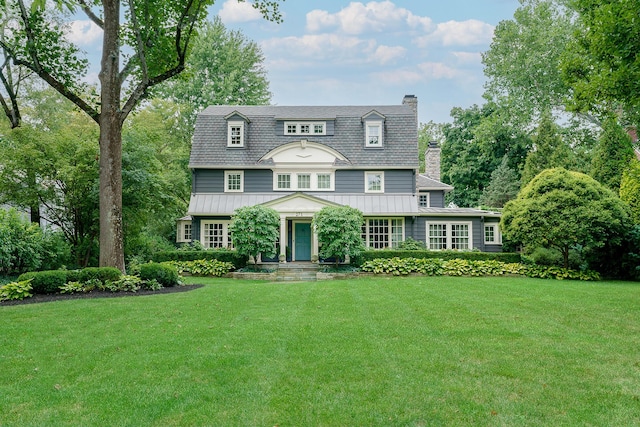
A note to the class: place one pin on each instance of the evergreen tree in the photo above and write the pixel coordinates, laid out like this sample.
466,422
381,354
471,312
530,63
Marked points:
630,189
612,154
504,186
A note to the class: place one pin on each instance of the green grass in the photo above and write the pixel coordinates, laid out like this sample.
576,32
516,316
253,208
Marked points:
385,351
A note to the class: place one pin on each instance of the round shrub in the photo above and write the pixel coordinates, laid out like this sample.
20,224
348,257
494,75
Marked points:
45,282
166,275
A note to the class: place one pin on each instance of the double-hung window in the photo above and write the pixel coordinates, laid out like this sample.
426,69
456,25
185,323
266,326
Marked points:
373,135
445,235
374,182
233,181
235,134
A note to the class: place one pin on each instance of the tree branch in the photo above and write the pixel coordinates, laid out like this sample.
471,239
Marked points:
87,10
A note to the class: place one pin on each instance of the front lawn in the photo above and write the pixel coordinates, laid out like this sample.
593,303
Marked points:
377,351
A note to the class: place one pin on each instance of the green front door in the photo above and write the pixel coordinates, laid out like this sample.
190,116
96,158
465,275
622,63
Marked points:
302,236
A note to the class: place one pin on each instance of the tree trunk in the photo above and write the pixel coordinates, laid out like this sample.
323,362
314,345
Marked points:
565,256
111,232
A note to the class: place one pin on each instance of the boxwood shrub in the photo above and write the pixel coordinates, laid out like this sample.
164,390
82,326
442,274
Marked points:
45,282
506,257
104,274
165,274
222,255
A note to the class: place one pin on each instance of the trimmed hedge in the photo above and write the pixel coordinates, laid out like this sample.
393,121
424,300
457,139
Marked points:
222,255
165,274
506,257
45,282
104,274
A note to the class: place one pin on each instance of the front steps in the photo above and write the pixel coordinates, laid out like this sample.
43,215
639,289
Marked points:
297,272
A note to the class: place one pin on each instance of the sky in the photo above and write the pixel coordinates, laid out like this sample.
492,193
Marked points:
341,52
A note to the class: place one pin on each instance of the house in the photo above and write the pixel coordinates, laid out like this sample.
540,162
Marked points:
300,159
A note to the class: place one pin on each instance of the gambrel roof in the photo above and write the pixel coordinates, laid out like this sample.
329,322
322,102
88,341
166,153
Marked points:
400,148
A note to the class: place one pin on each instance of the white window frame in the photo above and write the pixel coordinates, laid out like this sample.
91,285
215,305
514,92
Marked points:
298,186
369,126
313,184
393,239
298,126
230,126
226,241
226,181
366,181
449,234
182,230
427,196
497,237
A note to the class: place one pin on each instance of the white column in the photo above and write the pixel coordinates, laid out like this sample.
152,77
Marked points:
283,237
314,239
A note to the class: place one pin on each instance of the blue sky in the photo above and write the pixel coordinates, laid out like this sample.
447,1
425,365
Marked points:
340,52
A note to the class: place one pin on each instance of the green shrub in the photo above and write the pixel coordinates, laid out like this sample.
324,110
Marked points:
508,257
16,291
223,255
152,285
72,288
73,275
45,282
203,267
410,244
165,274
104,274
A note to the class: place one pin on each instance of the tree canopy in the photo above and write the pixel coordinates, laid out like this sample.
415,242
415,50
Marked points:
562,209
339,230
255,230
612,154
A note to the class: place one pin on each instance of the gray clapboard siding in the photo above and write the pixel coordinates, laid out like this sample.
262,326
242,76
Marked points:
395,181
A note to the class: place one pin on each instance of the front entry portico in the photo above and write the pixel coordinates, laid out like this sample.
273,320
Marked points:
296,212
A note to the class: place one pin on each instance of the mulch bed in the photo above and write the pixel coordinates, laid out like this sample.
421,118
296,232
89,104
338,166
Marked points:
98,294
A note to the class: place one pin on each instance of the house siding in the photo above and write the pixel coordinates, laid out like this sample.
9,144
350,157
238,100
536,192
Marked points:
395,181
436,199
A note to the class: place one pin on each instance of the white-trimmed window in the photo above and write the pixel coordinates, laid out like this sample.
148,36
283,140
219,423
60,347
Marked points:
305,128
283,181
184,231
305,181
233,181
374,182
215,234
381,233
449,235
424,200
492,234
235,134
373,135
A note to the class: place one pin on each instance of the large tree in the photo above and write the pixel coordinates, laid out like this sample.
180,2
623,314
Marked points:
602,65
612,154
152,40
223,67
562,209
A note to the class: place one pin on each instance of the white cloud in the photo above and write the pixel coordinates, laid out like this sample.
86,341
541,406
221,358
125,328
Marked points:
373,17
234,11
386,54
84,32
422,72
468,57
458,33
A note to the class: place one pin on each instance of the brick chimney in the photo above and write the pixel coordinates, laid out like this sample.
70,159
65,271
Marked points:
432,161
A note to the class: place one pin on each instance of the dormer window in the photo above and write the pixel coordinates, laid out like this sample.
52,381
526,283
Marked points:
235,134
305,128
374,135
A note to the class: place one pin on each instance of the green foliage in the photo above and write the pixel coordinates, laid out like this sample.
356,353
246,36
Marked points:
339,231
73,288
475,144
550,150
630,189
16,290
410,244
428,132
125,283
223,255
25,246
202,267
612,155
255,230
45,282
561,209
507,257
461,267
223,68
504,186
165,274
103,274
601,64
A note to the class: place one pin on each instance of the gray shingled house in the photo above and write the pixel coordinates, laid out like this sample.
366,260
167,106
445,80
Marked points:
297,160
